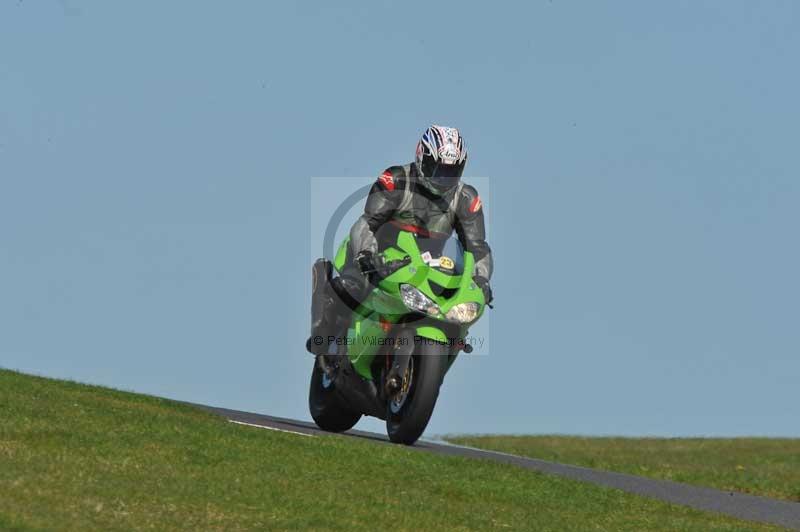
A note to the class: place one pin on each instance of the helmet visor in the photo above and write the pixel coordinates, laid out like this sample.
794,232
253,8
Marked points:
446,176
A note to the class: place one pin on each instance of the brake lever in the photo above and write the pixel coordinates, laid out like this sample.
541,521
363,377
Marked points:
388,268
391,267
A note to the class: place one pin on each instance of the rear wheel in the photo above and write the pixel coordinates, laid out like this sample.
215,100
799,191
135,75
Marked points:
327,408
409,411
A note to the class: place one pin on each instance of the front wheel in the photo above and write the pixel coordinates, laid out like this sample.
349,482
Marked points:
327,408
408,413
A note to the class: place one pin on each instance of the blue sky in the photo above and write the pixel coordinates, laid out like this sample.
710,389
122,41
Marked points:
155,172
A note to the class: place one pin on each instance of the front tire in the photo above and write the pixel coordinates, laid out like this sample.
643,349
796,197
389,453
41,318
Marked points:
406,420
327,408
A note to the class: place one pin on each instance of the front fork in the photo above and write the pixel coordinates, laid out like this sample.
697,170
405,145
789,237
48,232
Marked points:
401,355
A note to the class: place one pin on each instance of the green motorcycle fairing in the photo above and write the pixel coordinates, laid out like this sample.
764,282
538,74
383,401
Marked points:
371,325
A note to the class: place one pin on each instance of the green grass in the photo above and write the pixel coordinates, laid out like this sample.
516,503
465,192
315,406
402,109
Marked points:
76,457
759,466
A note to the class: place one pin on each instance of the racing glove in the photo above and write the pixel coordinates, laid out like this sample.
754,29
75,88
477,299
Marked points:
369,263
483,284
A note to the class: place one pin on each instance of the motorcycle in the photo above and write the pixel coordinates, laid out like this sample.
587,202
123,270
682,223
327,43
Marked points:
401,341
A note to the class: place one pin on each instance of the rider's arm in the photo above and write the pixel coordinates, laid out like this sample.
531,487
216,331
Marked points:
384,197
471,231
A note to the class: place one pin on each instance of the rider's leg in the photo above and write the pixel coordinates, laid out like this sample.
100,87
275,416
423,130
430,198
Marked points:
321,301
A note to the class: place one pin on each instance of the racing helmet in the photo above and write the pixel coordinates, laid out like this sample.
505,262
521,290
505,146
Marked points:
441,157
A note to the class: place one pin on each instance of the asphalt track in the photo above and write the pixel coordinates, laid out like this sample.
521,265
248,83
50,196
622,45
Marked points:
740,505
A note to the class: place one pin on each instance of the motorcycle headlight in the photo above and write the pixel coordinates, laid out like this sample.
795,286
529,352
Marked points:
416,300
463,312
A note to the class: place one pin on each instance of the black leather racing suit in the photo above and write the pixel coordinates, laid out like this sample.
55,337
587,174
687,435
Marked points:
401,200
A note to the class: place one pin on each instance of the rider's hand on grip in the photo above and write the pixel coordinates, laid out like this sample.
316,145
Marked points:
483,284
368,263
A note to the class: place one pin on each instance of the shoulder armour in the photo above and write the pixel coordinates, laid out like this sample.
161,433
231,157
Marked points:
469,201
393,178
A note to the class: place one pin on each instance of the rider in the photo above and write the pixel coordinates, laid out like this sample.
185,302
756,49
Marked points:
426,197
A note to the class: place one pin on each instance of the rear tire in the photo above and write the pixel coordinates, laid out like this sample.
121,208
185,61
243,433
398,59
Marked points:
407,423
327,408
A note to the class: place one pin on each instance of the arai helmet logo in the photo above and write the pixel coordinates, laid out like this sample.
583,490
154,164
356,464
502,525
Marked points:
449,154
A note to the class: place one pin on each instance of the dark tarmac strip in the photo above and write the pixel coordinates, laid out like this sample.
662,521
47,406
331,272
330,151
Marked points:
740,505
